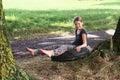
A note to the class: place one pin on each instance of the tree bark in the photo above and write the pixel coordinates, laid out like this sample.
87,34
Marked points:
8,68
116,37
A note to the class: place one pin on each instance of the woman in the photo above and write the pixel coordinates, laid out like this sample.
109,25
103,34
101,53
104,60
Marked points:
76,47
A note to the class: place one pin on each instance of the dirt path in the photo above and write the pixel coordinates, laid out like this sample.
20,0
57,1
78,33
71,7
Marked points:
94,38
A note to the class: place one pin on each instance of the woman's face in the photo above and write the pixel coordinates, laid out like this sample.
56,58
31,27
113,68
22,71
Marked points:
78,24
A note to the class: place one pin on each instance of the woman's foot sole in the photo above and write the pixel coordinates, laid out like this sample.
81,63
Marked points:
31,51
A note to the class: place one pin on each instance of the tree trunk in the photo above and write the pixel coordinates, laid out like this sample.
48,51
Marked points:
116,37
8,68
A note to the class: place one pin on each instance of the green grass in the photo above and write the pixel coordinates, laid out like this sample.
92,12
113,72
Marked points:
47,18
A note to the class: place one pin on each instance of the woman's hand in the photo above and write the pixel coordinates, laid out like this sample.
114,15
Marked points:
78,48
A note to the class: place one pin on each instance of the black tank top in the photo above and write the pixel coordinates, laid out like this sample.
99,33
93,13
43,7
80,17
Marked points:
78,37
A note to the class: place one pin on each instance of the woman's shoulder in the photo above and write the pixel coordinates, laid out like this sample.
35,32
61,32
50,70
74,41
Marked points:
84,31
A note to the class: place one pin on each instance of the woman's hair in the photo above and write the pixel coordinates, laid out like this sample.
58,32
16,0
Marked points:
77,18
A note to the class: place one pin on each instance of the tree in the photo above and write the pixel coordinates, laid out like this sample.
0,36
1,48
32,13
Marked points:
8,68
116,37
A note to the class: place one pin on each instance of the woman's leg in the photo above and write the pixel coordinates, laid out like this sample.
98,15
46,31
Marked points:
47,52
56,52
60,50
35,51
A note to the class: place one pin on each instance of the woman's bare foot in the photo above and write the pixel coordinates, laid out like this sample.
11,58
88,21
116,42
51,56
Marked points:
30,50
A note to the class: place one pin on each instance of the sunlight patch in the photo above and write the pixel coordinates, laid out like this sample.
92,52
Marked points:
46,43
64,24
93,36
110,31
13,18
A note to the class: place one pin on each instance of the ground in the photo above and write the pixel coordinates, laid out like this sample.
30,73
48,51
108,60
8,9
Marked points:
43,68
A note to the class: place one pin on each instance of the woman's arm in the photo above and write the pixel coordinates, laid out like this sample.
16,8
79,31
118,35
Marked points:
84,39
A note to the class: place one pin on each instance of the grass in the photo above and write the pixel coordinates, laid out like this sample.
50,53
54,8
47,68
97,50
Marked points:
48,18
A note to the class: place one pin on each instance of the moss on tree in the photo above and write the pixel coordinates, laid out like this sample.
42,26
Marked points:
8,68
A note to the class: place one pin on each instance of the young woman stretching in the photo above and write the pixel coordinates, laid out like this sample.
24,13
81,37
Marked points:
79,42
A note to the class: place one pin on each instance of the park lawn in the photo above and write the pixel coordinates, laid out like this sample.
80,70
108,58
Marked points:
38,18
